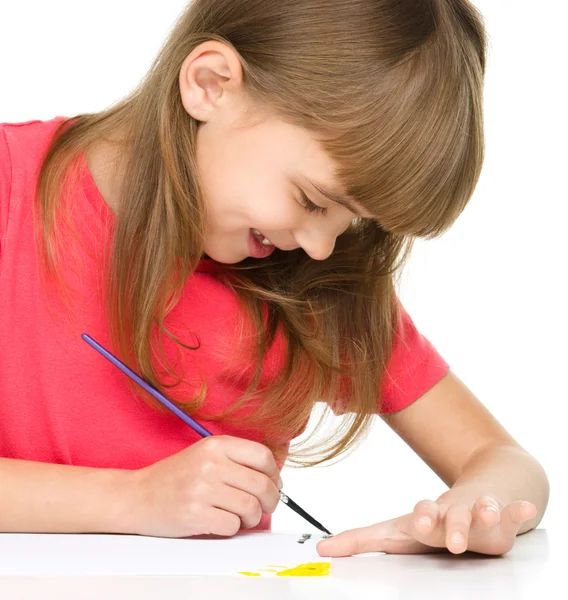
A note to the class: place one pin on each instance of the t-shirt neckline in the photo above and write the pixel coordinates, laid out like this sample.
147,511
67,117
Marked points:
101,208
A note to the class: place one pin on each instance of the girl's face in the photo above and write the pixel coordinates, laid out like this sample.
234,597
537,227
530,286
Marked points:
255,176
256,179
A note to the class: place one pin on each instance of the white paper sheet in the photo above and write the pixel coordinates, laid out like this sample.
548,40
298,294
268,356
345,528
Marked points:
255,552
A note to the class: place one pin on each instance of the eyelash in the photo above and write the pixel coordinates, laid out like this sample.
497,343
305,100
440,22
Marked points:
310,206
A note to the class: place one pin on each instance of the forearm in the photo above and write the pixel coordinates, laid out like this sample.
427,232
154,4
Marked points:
508,474
47,498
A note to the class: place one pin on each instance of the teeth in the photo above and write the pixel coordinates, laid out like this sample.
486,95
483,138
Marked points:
264,241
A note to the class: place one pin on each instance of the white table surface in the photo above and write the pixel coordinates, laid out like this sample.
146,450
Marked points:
534,569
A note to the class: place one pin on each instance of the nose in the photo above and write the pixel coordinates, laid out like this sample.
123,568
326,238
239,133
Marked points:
317,245
318,239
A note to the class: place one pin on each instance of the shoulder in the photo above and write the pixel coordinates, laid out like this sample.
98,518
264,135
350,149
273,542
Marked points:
22,148
28,139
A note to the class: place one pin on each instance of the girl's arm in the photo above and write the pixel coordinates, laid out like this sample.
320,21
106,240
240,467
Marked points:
454,434
508,474
463,443
48,498
219,484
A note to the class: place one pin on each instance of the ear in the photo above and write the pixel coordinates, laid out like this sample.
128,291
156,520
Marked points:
208,76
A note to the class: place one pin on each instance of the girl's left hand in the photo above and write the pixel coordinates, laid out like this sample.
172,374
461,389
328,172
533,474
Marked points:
488,528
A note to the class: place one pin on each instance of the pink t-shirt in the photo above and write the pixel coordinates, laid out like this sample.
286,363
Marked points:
60,400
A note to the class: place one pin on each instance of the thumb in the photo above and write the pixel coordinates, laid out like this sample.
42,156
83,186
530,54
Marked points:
353,541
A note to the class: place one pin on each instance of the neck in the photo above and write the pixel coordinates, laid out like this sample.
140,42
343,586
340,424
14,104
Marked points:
102,161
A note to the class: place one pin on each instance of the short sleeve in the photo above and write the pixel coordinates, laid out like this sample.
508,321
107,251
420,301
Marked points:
5,185
414,367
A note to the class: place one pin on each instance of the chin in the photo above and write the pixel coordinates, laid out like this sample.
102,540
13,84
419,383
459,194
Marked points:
222,258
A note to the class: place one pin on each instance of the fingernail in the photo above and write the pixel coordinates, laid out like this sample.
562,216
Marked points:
425,522
280,484
530,509
457,539
490,509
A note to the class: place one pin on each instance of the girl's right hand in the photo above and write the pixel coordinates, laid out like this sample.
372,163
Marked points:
217,485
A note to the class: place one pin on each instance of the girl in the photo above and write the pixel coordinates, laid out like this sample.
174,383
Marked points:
233,230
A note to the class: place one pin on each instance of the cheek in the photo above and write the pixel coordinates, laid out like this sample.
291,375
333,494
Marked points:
239,200
275,212
271,203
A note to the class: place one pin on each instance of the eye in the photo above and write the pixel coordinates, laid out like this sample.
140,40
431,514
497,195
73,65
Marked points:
310,206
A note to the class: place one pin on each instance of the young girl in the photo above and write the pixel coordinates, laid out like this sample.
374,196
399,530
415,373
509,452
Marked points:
233,230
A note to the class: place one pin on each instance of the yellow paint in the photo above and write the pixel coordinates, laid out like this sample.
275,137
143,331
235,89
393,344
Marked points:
319,569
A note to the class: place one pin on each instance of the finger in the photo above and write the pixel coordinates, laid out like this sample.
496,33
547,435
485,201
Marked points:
457,523
425,518
245,506
486,511
221,522
515,514
252,482
247,453
388,536
354,541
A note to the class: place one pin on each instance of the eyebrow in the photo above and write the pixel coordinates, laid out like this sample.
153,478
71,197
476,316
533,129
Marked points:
337,198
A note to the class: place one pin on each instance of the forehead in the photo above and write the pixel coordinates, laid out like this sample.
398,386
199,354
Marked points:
305,161
320,174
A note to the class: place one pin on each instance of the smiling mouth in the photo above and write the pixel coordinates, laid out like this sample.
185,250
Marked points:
261,238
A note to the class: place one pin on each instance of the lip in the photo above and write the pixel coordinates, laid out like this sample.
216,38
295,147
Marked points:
279,247
256,249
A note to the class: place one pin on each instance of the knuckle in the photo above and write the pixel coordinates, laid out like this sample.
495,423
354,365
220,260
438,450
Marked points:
194,520
208,469
213,444
265,486
422,507
252,508
266,457
267,493
193,510
200,489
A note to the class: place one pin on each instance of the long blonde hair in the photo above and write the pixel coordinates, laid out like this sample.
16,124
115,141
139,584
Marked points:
394,89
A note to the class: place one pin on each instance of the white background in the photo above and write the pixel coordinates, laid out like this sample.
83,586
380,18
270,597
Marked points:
490,295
